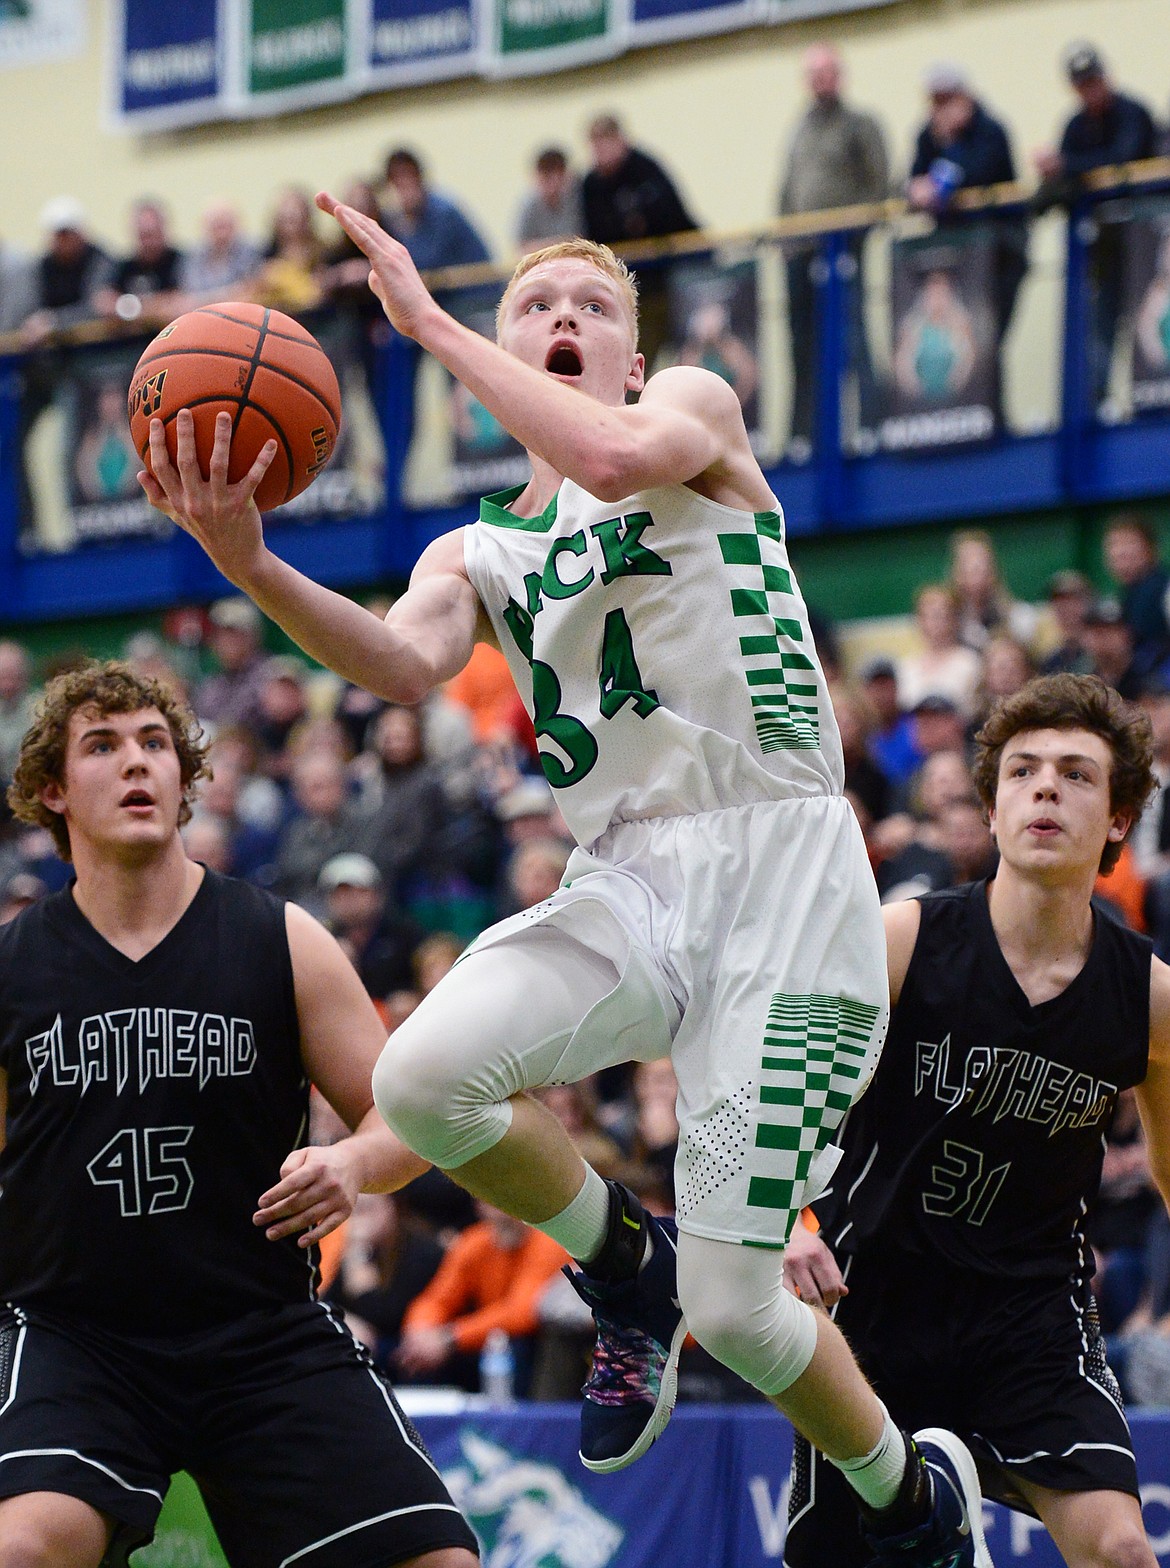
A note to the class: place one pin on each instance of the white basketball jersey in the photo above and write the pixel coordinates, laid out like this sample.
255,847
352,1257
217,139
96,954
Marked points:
662,647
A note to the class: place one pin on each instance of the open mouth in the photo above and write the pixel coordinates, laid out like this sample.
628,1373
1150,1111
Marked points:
564,361
137,797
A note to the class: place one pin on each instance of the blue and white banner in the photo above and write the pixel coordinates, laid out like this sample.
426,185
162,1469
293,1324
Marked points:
711,1493
656,21
422,40
168,61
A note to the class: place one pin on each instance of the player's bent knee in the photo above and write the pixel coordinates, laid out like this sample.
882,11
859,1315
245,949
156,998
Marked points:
1125,1547
431,1102
769,1340
76,1534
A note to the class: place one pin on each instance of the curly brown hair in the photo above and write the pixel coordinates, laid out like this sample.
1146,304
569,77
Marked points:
99,688
1074,702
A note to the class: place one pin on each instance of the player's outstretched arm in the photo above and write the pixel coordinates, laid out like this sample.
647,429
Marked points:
438,613
1153,1093
341,1039
687,422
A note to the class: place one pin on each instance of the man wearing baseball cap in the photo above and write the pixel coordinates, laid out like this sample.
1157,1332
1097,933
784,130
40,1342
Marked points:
68,273
1109,128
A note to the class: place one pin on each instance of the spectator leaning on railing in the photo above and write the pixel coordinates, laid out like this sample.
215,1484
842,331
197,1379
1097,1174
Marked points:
1109,128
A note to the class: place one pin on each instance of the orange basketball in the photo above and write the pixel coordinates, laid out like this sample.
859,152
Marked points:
265,370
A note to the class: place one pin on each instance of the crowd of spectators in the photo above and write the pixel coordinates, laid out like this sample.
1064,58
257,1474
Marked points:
409,830
837,156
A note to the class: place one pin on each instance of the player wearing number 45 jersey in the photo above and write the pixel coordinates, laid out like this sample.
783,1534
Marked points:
159,1029
957,1215
720,907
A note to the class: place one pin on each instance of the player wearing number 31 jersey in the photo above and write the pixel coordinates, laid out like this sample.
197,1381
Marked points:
720,908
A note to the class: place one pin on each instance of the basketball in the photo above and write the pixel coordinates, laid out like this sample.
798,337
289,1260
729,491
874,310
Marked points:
261,367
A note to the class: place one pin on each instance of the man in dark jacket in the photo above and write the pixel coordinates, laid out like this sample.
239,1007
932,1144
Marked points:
629,196
1109,128
961,145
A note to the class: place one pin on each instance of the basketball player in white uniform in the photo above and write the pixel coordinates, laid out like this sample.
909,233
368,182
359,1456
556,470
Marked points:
720,907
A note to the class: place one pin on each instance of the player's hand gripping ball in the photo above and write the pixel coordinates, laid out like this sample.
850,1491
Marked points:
265,370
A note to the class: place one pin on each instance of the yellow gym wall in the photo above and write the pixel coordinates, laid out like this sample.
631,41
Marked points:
717,111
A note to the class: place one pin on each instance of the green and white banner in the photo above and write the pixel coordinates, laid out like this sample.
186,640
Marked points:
295,52
530,36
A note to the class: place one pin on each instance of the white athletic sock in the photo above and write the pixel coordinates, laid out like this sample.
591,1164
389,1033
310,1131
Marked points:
876,1476
581,1226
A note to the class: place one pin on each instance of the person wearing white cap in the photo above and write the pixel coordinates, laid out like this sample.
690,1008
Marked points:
69,273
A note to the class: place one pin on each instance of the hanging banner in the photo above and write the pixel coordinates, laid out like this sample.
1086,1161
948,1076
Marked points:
79,465
529,36
712,1490
1148,300
658,21
32,31
169,61
789,10
714,321
942,388
295,53
422,40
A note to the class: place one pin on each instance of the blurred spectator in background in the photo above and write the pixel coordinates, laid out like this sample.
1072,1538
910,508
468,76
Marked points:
962,145
403,807
553,208
629,196
1109,644
917,861
1069,595
282,704
222,261
17,701
535,871
1131,559
387,1261
1108,128
288,277
251,841
942,665
837,158
865,779
491,1277
576,1107
1007,666
144,284
16,894
325,825
18,296
891,737
378,939
1151,838
1119,1220
985,602
206,840
232,694
434,957
434,230
654,1132
484,688
69,275
344,276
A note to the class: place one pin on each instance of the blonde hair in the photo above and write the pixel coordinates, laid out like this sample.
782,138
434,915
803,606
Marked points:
599,256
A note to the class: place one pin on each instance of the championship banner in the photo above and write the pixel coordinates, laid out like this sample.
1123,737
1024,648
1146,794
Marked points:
422,40
942,386
714,321
789,10
530,36
79,463
1147,238
32,31
169,61
658,21
296,53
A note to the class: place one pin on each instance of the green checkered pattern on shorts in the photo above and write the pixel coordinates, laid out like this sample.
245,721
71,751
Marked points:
814,1050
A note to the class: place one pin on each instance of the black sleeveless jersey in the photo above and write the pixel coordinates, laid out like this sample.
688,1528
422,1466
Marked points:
150,1103
981,1136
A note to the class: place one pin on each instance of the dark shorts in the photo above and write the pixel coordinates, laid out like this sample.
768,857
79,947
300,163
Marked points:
296,1442
1016,1368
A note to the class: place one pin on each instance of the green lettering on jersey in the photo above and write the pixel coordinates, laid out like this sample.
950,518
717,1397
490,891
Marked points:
551,581
520,619
625,554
